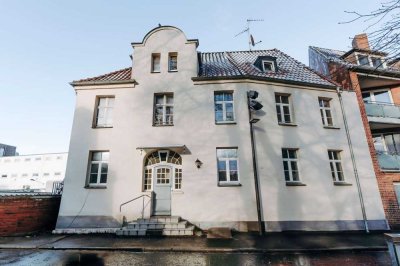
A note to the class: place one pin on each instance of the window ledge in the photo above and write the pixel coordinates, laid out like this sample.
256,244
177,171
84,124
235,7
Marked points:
99,127
227,184
172,71
295,183
390,171
288,124
226,123
331,127
166,125
341,183
95,187
154,72
177,192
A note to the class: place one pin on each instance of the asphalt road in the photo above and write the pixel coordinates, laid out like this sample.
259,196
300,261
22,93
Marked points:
31,257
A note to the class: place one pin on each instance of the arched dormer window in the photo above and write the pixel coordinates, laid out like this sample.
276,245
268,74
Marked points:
162,167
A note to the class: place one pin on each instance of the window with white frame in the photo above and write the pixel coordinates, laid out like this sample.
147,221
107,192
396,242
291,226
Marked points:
173,62
326,112
178,178
378,96
223,105
363,60
283,108
98,169
336,165
370,60
227,161
164,109
268,66
155,63
104,112
290,168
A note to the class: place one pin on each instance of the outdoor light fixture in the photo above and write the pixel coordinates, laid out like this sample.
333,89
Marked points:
253,104
253,94
198,163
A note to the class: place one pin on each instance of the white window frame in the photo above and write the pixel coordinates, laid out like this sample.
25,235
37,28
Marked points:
164,105
372,95
289,162
272,65
224,103
99,163
370,63
324,110
108,112
153,65
281,108
227,171
334,171
170,56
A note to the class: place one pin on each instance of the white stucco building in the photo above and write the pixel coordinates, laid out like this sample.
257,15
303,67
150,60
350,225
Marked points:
35,172
176,123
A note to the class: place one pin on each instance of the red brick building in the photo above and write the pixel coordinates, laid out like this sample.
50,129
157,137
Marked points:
376,81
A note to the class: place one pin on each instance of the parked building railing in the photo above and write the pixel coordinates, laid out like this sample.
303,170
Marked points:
377,109
389,161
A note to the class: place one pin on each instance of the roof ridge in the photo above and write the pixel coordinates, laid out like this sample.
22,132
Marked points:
240,51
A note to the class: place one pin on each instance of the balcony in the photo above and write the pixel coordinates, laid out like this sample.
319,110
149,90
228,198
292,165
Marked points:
382,115
388,161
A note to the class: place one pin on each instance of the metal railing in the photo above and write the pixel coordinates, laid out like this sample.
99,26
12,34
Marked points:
388,161
58,187
377,109
143,205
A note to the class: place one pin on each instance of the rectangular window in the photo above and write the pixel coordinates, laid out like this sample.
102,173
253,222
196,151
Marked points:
173,62
268,66
164,110
283,108
3,176
326,112
104,112
227,161
223,105
98,168
290,169
178,178
376,62
397,191
147,179
363,60
155,63
35,174
336,166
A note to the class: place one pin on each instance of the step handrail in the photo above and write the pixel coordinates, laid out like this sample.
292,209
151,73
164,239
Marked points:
129,201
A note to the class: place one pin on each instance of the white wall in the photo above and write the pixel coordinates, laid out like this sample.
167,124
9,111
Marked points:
201,200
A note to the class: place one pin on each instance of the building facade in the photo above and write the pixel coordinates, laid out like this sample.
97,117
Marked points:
376,81
36,172
7,150
175,128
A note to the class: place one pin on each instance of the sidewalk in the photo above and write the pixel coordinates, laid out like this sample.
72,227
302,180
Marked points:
276,242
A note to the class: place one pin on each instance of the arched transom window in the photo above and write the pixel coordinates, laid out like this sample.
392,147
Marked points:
162,167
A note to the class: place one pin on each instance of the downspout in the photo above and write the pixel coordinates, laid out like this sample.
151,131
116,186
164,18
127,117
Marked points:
346,127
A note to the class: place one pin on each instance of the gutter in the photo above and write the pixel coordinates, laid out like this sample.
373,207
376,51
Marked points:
88,83
353,160
250,77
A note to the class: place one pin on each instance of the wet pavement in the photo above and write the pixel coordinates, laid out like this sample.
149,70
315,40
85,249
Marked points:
27,257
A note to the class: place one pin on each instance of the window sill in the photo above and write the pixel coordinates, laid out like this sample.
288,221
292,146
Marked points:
331,127
226,123
227,184
390,171
177,192
294,183
341,183
99,127
166,125
94,187
288,124
172,71
155,72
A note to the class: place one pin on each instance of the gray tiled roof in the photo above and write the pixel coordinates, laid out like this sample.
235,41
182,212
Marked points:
336,56
241,63
119,75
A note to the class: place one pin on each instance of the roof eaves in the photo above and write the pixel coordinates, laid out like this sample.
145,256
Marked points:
285,81
109,82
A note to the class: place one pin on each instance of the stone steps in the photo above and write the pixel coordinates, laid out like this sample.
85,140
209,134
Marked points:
157,225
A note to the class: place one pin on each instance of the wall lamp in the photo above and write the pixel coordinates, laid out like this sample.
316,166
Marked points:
198,163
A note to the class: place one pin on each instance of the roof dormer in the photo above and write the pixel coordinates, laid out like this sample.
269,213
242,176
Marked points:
266,64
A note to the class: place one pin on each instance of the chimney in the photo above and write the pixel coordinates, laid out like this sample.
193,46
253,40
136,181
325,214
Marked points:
360,41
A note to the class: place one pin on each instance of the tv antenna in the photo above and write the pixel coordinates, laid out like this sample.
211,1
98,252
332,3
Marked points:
249,36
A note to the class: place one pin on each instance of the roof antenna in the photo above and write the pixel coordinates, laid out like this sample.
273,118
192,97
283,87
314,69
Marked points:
249,36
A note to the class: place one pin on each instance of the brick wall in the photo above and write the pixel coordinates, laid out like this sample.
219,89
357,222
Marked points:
395,95
26,214
385,180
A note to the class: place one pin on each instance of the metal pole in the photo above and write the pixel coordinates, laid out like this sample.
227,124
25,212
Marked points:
360,195
261,226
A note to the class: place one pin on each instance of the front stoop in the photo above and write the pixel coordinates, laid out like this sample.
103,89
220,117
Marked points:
157,226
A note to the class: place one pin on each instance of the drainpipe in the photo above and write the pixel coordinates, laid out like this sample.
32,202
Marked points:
346,127
261,225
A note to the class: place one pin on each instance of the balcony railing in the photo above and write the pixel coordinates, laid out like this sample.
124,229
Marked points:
389,161
388,110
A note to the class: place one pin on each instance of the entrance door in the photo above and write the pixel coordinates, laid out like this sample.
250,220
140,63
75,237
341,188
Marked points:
162,190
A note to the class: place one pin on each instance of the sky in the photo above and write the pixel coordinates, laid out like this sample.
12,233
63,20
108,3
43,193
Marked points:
45,44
